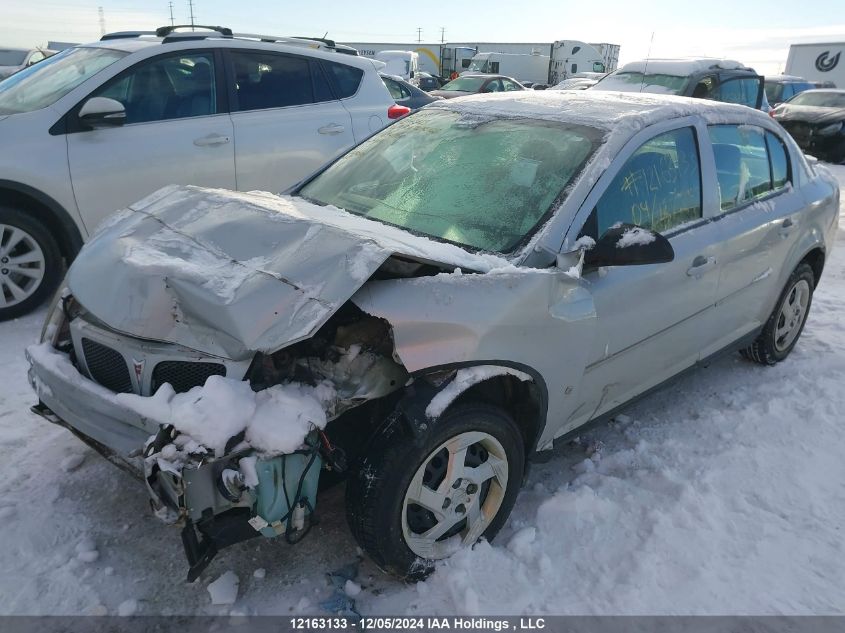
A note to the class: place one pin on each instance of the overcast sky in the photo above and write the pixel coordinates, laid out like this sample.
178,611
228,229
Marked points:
755,32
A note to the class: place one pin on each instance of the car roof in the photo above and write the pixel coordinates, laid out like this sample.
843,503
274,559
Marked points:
616,111
785,79
16,48
682,67
833,91
135,44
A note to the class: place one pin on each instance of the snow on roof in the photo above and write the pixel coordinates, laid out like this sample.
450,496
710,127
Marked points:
784,78
680,67
611,111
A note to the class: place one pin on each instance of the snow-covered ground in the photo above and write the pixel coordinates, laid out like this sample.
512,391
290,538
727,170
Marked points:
723,494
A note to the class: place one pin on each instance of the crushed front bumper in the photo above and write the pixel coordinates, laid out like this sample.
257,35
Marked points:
213,515
85,407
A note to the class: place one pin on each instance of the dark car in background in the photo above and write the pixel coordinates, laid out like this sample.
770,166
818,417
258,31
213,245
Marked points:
780,88
816,120
706,78
429,82
406,94
469,84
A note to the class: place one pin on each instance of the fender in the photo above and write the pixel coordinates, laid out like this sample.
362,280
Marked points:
412,407
70,240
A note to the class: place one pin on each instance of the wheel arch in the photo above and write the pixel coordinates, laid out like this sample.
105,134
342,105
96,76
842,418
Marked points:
815,258
527,401
49,212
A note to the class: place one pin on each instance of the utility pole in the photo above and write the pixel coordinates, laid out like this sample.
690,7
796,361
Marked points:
191,6
102,21
442,34
419,34
172,21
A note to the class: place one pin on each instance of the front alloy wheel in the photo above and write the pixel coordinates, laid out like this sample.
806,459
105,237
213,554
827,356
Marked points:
21,265
414,500
454,495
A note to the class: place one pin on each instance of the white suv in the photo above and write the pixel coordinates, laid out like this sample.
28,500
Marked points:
97,127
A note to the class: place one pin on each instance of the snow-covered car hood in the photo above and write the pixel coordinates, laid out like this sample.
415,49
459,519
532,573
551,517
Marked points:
809,114
230,274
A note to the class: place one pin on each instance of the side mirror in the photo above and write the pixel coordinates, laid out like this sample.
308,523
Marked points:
102,112
629,245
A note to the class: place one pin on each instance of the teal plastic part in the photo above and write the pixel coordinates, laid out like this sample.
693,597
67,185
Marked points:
271,504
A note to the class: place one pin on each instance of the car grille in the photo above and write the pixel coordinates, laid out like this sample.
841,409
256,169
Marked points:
184,375
106,366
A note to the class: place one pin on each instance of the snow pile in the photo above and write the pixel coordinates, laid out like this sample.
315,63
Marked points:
463,380
635,236
274,421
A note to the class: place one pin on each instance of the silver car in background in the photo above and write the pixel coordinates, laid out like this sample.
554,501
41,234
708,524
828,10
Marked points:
445,300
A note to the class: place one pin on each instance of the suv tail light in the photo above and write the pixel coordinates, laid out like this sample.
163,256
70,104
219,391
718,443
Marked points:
397,111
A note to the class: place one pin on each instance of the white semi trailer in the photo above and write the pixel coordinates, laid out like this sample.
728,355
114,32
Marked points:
818,62
454,57
568,58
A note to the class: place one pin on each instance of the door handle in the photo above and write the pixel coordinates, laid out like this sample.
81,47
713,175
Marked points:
211,139
701,265
331,129
786,227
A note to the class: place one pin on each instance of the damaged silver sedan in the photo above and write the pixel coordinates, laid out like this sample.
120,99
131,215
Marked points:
429,311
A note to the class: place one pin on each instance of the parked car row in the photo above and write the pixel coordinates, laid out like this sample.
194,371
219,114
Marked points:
97,127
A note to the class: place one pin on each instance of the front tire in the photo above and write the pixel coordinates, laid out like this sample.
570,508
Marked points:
414,501
785,324
30,263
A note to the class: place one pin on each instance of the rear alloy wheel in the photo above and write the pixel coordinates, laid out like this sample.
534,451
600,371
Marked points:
30,263
787,320
413,501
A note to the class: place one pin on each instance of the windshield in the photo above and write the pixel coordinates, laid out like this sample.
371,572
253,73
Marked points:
486,184
466,84
478,65
12,57
819,99
45,83
637,82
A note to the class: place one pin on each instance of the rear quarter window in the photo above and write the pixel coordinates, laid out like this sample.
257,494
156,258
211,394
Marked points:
345,79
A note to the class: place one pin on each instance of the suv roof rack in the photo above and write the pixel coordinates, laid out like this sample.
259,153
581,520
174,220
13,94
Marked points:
164,31
123,35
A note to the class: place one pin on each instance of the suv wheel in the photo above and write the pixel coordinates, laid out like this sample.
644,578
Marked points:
412,502
30,263
786,322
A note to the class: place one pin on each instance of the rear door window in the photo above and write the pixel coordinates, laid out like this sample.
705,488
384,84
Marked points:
658,188
268,80
750,163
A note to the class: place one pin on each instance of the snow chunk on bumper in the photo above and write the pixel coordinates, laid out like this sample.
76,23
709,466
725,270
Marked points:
274,421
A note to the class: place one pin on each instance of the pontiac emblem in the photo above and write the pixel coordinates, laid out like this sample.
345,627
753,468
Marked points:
138,366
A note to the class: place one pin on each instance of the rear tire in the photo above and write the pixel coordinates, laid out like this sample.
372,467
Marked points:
785,324
467,470
30,263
